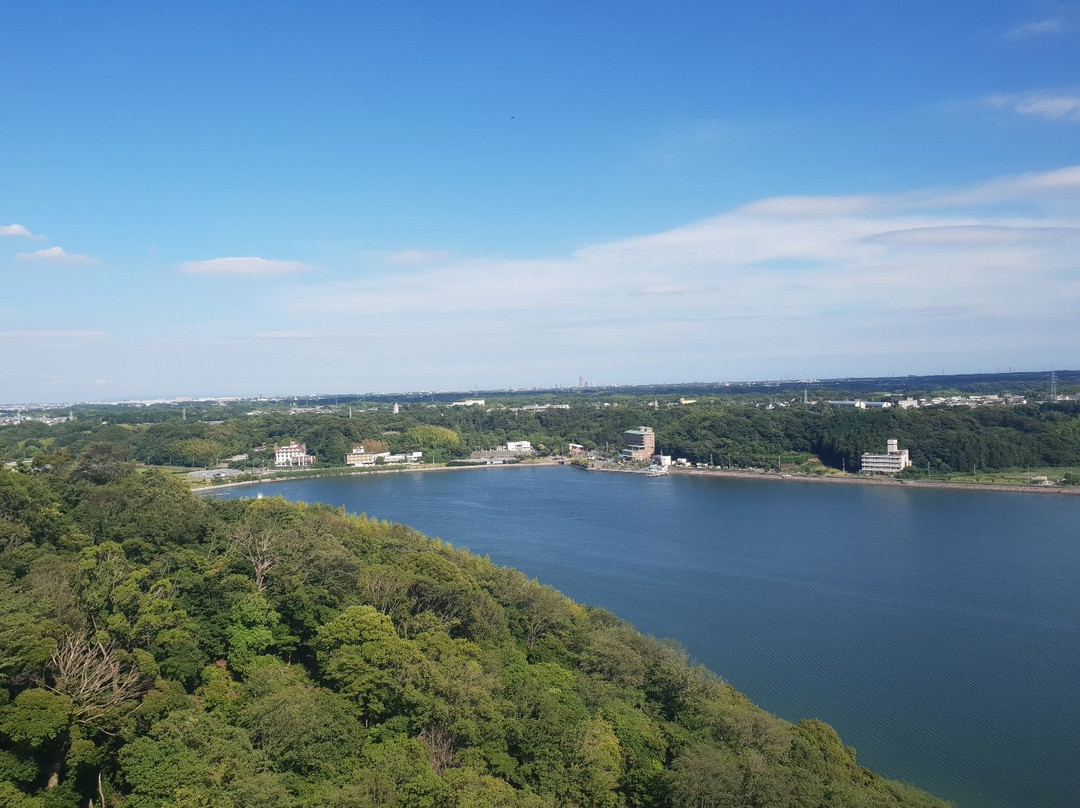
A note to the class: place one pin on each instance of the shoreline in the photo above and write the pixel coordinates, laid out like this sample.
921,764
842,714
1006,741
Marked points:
851,479
739,474
403,470
882,481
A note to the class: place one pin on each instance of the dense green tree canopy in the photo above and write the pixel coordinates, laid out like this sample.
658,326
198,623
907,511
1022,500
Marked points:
160,650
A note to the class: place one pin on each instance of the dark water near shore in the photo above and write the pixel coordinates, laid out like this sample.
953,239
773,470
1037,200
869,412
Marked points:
938,631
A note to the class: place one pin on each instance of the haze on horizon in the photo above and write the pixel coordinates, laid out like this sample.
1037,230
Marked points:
267,199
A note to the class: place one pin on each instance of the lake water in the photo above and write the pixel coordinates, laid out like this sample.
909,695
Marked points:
938,631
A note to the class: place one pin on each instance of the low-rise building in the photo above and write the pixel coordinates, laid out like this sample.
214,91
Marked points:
518,446
893,461
359,456
539,407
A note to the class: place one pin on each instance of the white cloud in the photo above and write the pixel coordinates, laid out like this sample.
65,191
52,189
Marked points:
1044,104
57,255
249,266
17,230
947,269
1034,187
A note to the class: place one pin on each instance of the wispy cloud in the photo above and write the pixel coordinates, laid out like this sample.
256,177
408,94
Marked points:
1038,187
287,335
974,235
249,266
1052,105
19,231
413,257
53,334
813,206
1037,28
57,255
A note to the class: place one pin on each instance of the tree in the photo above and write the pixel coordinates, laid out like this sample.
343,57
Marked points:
705,776
95,678
101,463
258,541
361,652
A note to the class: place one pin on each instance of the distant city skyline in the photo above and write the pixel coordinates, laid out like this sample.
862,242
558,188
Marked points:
262,198
318,400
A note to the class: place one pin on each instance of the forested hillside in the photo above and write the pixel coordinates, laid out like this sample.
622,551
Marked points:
158,649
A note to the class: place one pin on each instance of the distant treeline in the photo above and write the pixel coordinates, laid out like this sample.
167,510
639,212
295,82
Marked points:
941,439
161,650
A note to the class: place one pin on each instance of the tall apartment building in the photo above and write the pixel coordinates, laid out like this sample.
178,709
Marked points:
893,461
639,444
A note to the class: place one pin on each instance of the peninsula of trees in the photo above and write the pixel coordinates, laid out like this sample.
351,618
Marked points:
157,649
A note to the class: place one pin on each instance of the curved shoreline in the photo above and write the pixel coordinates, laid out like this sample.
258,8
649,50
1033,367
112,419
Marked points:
402,470
741,474
881,481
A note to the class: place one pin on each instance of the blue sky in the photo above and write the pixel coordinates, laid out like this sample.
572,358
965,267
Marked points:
267,198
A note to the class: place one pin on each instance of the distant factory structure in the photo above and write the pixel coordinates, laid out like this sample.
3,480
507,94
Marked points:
893,461
862,405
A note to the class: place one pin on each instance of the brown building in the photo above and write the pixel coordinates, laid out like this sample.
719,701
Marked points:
639,444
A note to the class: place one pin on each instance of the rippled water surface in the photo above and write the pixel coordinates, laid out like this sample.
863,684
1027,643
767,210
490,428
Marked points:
938,631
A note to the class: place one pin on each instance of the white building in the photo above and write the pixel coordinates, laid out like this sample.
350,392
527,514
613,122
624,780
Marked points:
893,461
359,457
295,454
518,446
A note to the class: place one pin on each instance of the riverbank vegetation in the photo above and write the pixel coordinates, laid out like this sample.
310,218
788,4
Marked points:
157,649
